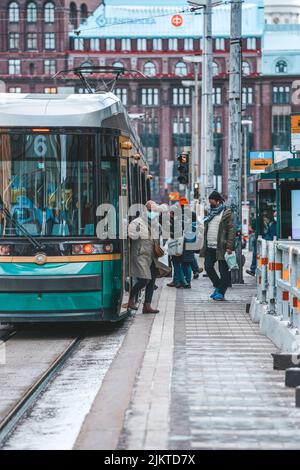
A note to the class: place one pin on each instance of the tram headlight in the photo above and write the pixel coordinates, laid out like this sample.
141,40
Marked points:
91,249
5,250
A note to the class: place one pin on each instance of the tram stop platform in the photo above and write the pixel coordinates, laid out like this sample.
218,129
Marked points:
199,375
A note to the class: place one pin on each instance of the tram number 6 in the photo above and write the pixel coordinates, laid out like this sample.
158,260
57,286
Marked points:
40,146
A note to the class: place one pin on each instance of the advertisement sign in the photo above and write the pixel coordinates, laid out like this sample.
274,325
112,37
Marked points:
295,133
295,214
259,161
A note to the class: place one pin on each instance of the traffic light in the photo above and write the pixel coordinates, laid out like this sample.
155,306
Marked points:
183,168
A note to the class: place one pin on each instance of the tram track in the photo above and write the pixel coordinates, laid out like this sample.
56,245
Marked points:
26,402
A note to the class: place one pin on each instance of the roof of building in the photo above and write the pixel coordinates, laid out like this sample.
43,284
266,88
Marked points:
152,18
281,42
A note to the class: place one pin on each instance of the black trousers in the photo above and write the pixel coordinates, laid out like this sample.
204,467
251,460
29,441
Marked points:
222,282
148,283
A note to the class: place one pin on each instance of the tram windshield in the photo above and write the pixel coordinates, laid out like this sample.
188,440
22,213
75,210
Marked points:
47,183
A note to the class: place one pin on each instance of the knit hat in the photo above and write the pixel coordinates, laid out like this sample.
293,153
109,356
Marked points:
216,196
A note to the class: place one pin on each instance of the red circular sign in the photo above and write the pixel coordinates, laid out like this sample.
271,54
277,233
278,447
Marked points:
177,20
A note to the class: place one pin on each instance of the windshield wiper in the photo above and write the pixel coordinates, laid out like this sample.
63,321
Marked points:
37,245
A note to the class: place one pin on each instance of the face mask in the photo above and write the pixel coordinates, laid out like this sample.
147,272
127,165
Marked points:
152,215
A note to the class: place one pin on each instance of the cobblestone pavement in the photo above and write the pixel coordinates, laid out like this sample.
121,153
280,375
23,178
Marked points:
225,393
207,379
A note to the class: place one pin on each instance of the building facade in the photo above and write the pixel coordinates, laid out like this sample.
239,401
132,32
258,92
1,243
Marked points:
34,41
153,38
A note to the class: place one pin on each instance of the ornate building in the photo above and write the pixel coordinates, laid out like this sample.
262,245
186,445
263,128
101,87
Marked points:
144,36
34,38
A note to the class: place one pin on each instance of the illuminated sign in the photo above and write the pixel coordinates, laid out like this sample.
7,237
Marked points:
259,161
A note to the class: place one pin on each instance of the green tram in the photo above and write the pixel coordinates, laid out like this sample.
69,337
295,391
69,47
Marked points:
61,157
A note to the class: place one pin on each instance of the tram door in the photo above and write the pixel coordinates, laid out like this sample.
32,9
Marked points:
123,228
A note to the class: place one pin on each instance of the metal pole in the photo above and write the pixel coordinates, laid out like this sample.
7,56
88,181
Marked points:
245,135
210,157
234,147
196,128
203,115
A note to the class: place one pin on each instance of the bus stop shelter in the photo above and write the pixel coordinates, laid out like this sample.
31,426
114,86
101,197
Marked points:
285,176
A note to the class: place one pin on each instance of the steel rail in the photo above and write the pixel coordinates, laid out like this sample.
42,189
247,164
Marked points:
8,424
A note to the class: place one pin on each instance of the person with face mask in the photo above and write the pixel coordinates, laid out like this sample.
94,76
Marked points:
143,262
219,235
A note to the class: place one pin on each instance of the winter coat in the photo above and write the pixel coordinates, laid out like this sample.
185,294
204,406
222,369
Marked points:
226,235
141,249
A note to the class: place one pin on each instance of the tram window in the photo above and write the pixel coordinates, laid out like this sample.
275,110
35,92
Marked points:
48,183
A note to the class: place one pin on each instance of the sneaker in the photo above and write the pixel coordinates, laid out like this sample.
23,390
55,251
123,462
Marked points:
219,297
172,284
215,292
187,286
196,276
179,286
248,271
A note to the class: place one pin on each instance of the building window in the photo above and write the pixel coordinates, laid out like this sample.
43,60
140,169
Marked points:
181,125
110,44
281,95
251,44
281,67
247,96
173,44
14,67
78,44
201,44
217,96
157,44
180,69
49,67
149,69
49,12
15,89
281,131
49,41
141,44
73,15
122,94
220,44
31,13
188,44
150,96
126,45
215,69
95,44
13,12
50,90
83,11
13,42
31,41
181,97
245,69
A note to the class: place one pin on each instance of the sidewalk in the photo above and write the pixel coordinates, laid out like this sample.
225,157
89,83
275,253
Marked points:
207,379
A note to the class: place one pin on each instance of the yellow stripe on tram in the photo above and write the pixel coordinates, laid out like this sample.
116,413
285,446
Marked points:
61,259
